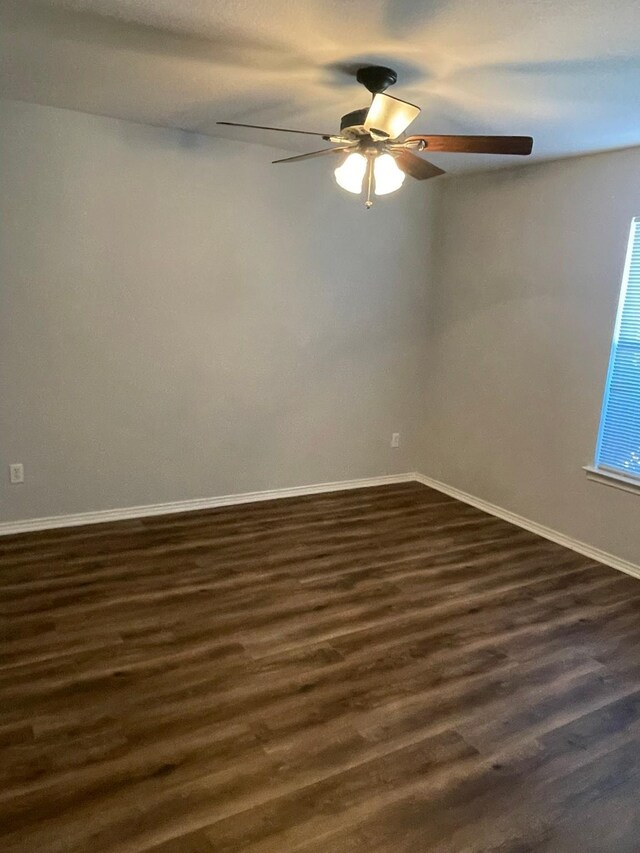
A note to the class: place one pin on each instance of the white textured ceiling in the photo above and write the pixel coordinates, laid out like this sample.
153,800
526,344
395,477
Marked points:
566,72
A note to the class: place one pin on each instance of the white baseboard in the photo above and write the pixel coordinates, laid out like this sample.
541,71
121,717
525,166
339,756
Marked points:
120,514
74,520
540,529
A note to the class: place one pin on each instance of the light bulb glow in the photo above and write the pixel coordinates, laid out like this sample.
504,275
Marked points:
350,174
388,176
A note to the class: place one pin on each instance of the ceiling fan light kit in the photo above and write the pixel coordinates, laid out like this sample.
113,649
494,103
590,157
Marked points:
377,154
388,177
350,174
378,172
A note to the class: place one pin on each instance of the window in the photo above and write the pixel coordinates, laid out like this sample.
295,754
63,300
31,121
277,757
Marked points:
618,448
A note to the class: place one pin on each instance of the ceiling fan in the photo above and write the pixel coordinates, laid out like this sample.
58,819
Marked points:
378,154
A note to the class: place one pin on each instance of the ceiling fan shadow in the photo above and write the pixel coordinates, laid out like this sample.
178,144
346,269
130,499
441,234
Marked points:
228,48
342,73
403,17
550,88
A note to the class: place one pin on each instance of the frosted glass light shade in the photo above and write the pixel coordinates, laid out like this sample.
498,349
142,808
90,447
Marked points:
388,176
351,173
390,115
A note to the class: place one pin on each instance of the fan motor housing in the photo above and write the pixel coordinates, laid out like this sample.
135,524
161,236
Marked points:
356,118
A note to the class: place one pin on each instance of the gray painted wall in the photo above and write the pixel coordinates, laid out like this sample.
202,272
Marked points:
527,277
180,319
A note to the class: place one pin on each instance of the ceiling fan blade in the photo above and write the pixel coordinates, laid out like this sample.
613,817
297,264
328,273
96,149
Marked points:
476,144
279,129
390,115
315,154
416,166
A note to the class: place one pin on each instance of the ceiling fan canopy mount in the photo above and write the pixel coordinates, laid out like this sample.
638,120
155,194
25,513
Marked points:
376,135
376,78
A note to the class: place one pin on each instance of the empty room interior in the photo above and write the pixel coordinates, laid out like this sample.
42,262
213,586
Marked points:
319,426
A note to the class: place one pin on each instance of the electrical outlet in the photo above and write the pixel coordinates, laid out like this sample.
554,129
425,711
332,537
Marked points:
16,473
395,439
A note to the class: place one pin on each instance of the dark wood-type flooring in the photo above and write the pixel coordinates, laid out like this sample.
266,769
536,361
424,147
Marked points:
374,671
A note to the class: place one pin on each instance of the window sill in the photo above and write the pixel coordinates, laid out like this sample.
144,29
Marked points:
610,478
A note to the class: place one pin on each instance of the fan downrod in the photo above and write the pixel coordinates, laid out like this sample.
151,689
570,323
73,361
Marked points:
376,78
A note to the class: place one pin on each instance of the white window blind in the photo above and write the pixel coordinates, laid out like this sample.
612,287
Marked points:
618,448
